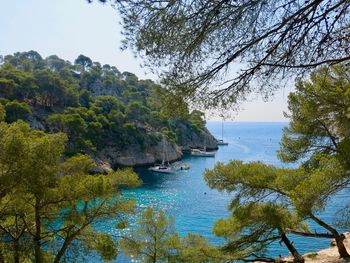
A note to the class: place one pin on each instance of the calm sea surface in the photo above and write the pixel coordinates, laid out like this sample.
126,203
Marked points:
196,207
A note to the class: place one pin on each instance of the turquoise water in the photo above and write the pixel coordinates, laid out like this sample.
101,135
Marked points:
195,206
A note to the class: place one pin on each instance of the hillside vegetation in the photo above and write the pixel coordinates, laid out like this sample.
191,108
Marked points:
96,105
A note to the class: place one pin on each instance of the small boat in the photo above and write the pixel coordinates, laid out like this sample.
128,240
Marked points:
201,153
161,169
184,166
222,142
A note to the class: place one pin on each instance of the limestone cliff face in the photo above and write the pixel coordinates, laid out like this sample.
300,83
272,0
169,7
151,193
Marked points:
189,138
137,156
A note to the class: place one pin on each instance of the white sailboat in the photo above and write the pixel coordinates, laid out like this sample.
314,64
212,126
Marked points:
162,168
203,153
221,141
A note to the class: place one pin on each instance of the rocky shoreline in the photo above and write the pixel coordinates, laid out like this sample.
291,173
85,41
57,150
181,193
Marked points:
110,158
328,255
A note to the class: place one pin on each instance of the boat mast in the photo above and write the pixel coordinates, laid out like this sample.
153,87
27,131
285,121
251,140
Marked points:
222,130
163,160
166,155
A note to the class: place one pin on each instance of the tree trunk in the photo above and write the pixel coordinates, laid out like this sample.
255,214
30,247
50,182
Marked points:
339,239
16,258
297,257
2,259
66,243
63,249
343,253
37,234
308,234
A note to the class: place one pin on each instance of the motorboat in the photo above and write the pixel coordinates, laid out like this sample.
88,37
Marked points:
184,166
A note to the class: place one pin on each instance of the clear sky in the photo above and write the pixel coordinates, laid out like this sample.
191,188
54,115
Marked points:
68,28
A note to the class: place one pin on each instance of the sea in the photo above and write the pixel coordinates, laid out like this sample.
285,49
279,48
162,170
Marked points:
196,207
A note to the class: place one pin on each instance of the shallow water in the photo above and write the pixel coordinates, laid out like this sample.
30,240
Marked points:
195,206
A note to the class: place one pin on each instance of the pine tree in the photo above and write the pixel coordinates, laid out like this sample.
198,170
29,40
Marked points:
48,204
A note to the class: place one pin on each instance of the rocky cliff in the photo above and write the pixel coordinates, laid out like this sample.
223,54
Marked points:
135,155
189,138
117,118
111,156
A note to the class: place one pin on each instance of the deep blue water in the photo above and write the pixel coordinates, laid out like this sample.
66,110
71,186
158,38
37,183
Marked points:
195,206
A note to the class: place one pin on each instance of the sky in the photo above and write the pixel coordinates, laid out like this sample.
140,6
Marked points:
68,28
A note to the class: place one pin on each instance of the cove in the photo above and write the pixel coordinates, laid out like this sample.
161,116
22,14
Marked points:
195,206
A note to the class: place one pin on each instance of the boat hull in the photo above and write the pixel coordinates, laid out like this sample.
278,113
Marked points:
184,167
203,154
157,169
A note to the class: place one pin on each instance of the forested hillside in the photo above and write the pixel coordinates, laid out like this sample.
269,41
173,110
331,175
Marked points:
110,115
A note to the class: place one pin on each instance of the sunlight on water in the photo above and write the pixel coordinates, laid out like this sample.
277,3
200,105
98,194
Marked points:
196,207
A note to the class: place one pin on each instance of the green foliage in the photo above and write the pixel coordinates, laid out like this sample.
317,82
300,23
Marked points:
16,110
312,255
106,104
2,113
195,248
319,114
149,242
105,246
45,200
192,45
94,104
170,105
136,111
169,134
83,61
155,240
197,119
252,227
270,202
255,181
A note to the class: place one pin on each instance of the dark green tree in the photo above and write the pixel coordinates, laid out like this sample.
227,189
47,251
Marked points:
49,206
55,63
16,110
136,111
95,105
253,185
319,116
252,227
155,240
193,44
317,137
2,113
84,62
105,104
27,61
